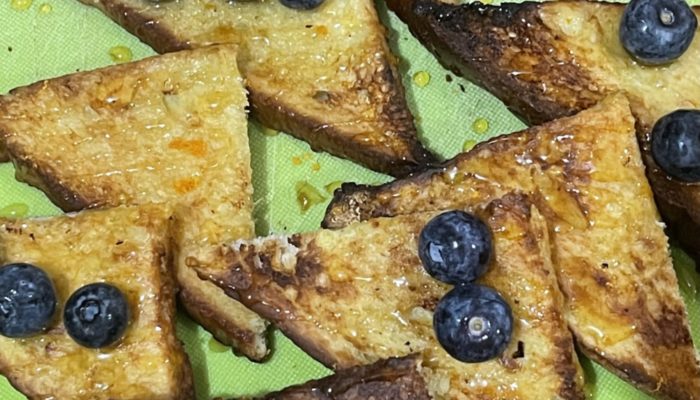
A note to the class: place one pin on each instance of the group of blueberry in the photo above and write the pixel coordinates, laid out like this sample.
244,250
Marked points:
95,316
658,32
472,322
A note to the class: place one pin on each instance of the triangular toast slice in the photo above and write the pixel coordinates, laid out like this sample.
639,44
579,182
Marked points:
170,130
326,75
391,379
553,59
357,295
127,248
610,252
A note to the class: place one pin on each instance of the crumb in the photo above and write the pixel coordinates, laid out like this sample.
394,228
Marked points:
9,48
448,78
462,88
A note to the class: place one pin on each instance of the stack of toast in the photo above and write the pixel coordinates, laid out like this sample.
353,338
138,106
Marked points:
154,158
584,174
168,130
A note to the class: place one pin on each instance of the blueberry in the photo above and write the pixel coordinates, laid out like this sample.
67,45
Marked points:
302,4
473,323
27,300
675,144
96,315
657,32
455,247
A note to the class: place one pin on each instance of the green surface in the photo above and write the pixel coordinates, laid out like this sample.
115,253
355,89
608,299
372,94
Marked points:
36,45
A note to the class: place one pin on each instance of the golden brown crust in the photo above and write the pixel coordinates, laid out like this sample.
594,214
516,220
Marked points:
598,176
542,74
246,340
365,118
391,379
41,177
322,136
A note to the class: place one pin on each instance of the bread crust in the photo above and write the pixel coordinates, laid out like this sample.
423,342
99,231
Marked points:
150,31
315,130
391,379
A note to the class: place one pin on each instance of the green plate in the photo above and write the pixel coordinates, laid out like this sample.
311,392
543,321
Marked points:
47,38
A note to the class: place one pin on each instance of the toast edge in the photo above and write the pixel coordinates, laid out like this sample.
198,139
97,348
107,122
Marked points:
477,59
323,137
195,297
393,378
146,29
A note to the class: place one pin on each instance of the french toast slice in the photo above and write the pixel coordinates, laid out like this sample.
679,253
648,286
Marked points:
554,59
357,295
169,130
326,76
127,248
390,379
610,252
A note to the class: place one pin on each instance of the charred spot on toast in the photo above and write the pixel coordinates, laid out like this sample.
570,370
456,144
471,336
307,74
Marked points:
394,378
468,37
564,366
667,330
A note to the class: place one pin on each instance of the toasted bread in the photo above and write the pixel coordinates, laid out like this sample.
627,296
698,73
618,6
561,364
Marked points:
169,130
357,295
554,59
327,76
610,252
391,379
128,248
